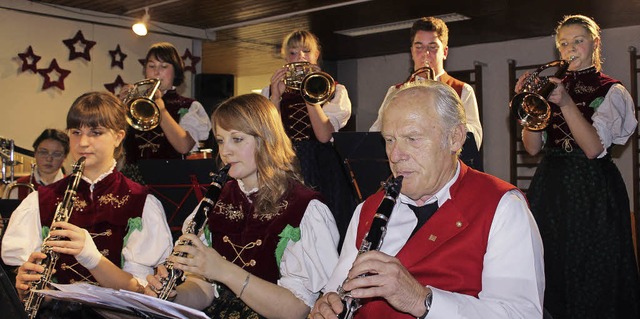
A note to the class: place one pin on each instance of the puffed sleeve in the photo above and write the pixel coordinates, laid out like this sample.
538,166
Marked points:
197,123
338,109
23,235
615,119
149,245
307,264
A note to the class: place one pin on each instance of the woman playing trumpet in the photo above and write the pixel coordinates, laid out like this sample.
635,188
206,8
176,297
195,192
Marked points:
310,127
183,121
577,194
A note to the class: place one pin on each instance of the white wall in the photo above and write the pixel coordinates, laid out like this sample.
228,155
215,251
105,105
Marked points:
369,78
26,109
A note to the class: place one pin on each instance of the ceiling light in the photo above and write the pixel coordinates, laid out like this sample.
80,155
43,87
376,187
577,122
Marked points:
140,28
355,32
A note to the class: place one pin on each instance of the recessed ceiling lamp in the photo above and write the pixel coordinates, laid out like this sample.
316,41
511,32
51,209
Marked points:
355,32
140,28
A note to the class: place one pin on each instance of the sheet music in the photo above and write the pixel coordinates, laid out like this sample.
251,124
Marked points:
127,301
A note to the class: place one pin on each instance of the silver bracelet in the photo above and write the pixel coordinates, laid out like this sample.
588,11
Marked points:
244,285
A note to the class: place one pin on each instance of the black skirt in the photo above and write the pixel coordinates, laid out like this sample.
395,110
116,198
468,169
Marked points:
582,210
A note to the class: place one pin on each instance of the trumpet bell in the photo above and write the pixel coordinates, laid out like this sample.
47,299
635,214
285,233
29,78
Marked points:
531,110
316,87
142,112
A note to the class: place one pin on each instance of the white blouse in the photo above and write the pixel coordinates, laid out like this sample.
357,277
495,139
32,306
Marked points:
141,255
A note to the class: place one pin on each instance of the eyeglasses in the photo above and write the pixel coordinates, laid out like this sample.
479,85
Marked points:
432,48
46,154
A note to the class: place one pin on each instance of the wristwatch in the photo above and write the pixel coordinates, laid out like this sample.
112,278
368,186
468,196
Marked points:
427,304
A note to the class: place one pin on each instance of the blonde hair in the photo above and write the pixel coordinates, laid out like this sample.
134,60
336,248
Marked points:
592,28
300,39
276,162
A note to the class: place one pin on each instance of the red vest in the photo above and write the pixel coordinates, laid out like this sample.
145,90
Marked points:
105,214
448,251
248,238
24,191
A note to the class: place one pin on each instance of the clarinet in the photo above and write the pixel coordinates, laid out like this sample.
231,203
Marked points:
63,213
372,240
195,226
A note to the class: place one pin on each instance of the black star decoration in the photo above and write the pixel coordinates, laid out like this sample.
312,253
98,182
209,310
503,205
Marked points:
142,61
117,84
82,44
59,82
29,60
194,60
117,57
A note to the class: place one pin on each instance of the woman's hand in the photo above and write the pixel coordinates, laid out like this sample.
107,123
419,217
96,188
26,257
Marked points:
29,272
277,86
521,80
154,285
201,260
124,90
79,244
559,95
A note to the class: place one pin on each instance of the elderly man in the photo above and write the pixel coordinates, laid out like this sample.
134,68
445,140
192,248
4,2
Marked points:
429,47
479,255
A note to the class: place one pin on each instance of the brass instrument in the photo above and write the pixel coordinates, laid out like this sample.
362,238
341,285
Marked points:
7,153
316,87
62,214
195,226
530,106
142,112
373,239
425,72
7,190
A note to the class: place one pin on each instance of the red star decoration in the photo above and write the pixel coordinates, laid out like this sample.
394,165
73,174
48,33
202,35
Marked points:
117,57
194,60
62,74
117,84
29,60
86,44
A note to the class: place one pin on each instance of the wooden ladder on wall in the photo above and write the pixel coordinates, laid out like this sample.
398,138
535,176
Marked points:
633,90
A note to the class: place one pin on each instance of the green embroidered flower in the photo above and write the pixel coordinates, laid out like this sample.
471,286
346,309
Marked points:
207,236
288,233
45,232
132,225
595,103
182,112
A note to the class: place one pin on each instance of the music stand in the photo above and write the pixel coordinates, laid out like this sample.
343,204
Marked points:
179,185
365,158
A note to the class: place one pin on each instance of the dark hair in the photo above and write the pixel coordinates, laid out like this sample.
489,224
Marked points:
96,109
53,134
431,24
166,52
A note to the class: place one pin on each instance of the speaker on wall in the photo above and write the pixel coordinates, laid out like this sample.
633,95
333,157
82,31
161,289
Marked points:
211,89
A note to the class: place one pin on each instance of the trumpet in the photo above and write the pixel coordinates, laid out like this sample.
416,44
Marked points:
425,72
316,87
142,112
9,188
530,106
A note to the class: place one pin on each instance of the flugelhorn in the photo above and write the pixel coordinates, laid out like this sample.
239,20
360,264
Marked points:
142,112
316,87
530,107
425,72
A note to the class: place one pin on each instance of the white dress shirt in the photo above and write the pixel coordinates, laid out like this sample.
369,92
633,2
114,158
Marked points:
513,272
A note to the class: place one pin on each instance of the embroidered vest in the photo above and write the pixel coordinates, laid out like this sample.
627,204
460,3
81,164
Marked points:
295,117
104,215
248,238
154,144
584,87
448,251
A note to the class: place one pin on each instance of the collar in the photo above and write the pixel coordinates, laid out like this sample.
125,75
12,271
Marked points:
441,196
246,192
101,177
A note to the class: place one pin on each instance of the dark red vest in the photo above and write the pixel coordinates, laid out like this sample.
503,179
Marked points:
154,144
248,238
295,117
24,191
584,87
448,251
104,214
